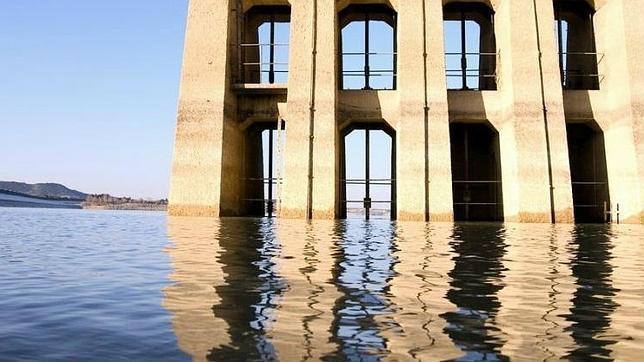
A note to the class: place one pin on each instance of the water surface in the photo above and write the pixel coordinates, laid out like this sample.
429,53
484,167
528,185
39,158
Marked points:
96,285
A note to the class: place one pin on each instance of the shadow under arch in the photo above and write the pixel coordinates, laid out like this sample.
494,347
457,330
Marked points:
366,180
476,280
476,171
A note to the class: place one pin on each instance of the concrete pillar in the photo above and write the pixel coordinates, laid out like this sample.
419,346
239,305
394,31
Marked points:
294,196
410,128
635,49
522,132
618,107
206,130
439,152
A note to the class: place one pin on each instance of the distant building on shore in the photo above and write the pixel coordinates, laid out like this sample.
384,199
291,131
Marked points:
514,110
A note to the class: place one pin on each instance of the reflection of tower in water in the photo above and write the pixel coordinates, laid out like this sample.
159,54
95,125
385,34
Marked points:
226,287
362,271
476,280
592,302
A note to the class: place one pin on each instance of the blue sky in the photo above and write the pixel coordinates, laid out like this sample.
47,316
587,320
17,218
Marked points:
88,92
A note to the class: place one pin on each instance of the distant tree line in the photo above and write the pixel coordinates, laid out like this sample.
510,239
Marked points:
109,201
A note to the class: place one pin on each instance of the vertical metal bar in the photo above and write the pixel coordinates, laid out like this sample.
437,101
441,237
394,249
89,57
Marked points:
314,52
271,65
395,54
463,52
366,51
240,23
394,207
367,197
425,116
467,174
545,113
270,173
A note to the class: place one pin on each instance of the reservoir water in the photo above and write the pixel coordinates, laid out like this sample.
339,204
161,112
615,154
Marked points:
107,286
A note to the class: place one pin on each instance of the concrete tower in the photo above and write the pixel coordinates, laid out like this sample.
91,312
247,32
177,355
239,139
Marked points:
515,110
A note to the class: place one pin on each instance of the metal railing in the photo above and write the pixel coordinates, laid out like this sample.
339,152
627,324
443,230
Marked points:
574,76
367,202
259,68
268,204
478,194
367,72
594,195
464,73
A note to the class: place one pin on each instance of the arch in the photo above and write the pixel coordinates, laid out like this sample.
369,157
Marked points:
264,44
470,45
363,186
576,44
367,58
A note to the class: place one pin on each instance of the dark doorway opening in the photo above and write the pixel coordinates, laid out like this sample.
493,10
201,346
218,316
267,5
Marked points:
368,170
476,172
588,173
264,142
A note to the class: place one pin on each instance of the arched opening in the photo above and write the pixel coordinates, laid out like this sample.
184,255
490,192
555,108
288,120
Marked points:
368,47
368,169
470,46
588,173
262,164
476,172
264,45
578,56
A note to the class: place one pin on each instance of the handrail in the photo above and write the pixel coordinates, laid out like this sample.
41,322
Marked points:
263,44
471,53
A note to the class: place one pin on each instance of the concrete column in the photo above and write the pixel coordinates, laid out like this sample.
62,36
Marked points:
440,167
522,132
635,50
294,197
205,124
410,129
618,106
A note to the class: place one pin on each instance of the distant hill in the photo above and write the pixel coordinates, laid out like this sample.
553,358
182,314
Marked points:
42,190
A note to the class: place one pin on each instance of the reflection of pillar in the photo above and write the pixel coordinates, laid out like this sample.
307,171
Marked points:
196,270
362,270
417,293
592,302
302,328
476,280
626,280
250,290
535,293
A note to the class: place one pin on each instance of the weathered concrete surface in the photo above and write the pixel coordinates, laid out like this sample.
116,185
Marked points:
209,166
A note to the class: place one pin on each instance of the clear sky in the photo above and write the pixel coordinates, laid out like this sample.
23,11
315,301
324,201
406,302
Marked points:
88,92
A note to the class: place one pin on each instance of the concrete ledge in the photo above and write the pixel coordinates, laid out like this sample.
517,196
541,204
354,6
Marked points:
260,88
